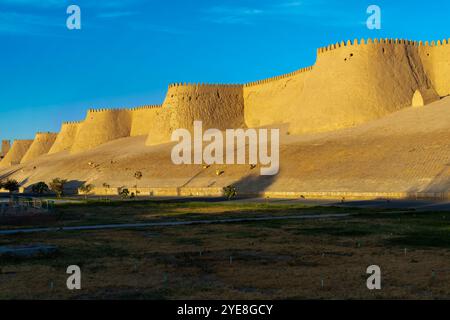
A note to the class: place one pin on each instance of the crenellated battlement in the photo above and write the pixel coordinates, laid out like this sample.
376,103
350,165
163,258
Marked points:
72,122
146,107
107,110
385,41
210,85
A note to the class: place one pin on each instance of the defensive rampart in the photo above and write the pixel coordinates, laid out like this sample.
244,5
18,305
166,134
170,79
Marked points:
218,106
66,137
274,100
143,118
40,146
350,83
101,126
16,153
436,61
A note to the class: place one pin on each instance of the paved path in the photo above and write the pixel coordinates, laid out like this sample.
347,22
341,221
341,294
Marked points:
171,224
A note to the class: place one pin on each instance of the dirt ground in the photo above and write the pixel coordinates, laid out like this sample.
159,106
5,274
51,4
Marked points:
287,259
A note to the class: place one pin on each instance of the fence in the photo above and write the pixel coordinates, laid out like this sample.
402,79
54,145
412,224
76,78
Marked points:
23,206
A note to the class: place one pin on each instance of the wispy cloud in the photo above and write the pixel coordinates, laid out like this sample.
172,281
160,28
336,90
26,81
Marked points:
154,28
315,12
116,14
290,4
48,17
232,15
34,3
24,23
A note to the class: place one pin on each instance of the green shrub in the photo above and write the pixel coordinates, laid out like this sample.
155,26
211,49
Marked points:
57,186
11,185
124,193
40,188
86,189
230,192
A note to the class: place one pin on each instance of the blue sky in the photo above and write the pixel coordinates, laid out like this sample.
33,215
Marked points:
128,51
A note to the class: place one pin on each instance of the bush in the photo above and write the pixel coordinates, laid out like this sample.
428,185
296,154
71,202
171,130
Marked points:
230,192
86,189
124,193
11,185
57,186
40,188
138,175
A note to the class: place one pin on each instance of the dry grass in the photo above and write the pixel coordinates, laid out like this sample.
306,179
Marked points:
269,260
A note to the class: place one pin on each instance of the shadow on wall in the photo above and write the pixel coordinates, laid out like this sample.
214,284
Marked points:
253,185
439,184
8,174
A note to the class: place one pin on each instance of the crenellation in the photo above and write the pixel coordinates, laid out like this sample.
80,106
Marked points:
276,78
146,107
71,122
45,133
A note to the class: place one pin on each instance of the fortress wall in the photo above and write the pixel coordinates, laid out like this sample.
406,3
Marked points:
351,83
143,118
101,126
40,146
274,100
218,106
16,153
356,83
66,137
436,60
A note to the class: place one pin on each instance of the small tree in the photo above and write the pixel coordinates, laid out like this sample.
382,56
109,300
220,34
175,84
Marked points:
86,189
11,185
124,193
230,192
57,186
138,175
40,188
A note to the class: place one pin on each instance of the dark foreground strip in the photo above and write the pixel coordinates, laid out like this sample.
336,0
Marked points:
171,224
231,309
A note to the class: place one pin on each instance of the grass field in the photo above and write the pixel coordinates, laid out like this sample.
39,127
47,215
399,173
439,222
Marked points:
284,259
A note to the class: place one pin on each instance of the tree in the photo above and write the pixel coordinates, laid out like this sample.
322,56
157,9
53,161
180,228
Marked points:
40,188
57,186
138,176
11,185
86,189
124,193
230,192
